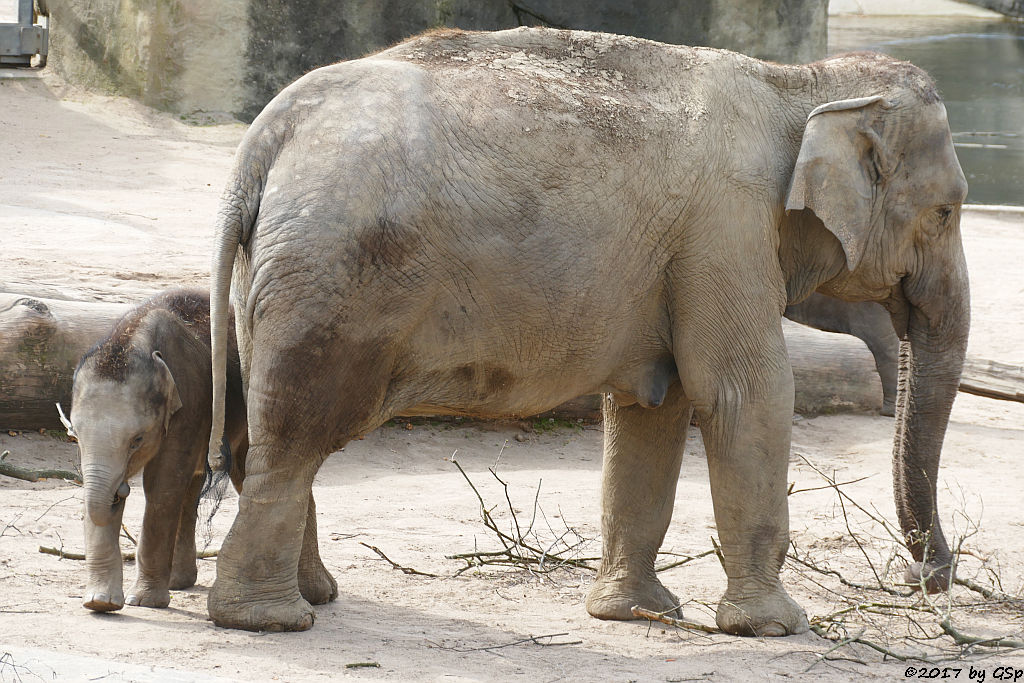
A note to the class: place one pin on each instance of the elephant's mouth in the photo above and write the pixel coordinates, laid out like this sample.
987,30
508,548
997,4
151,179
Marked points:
121,493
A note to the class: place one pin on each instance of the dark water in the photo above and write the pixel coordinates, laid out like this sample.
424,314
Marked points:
979,68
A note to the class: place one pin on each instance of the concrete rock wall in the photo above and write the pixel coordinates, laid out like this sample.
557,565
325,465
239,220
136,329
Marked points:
235,55
1011,8
176,55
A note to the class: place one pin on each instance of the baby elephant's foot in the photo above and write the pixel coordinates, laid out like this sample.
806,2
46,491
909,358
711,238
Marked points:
147,596
771,613
889,407
317,585
230,607
183,577
103,599
615,598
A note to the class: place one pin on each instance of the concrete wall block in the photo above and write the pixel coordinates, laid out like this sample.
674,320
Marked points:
235,55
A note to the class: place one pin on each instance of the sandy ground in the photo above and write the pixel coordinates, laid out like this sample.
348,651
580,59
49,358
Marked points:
102,199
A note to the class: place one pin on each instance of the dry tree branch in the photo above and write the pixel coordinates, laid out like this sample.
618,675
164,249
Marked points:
926,623
127,557
880,586
536,640
686,559
404,570
671,621
848,640
518,551
47,510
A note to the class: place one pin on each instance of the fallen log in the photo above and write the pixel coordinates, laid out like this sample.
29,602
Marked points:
9,469
41,341
993,379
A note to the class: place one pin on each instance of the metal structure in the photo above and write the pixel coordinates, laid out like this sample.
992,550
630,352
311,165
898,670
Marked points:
22,41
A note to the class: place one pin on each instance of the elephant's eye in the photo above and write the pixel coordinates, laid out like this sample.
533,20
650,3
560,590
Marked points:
944,212
135,443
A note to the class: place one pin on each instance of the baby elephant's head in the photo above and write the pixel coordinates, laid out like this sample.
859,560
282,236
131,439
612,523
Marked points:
122,403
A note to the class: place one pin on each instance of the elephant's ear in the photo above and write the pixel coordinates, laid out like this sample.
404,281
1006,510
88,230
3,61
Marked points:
169,388
841,161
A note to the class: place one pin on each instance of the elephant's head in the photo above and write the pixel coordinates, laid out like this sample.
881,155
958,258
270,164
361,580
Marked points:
873,213
121,406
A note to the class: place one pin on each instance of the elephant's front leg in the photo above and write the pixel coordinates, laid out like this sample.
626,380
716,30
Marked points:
315,583
642,451
166,480
746,429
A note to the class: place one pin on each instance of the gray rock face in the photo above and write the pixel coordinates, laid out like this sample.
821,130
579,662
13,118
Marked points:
1011,8
235,55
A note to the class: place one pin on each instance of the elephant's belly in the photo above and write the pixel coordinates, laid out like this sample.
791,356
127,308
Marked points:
489,390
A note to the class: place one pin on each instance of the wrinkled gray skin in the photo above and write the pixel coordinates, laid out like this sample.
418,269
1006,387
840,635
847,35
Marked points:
866,320
490,224
142,402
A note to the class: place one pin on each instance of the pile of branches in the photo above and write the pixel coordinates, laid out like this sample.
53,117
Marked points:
879,613
899,620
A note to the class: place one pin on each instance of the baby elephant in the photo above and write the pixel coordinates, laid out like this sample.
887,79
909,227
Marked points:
141,402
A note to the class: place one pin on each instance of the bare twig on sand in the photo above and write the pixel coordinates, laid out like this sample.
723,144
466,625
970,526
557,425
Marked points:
27,474
127,557
671,621
404,570
686,559
543,641
128,535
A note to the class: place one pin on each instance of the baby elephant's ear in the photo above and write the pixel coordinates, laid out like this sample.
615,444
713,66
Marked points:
840,163
172,401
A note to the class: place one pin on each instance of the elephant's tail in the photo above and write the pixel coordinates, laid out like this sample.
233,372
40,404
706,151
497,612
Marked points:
238,209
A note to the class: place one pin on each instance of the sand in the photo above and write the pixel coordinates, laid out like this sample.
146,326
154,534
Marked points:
103,199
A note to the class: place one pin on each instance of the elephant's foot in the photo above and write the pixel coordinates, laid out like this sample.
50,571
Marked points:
937,577
142,595
615,598
771,613
317,585
889,407
183,576
230,607
103,598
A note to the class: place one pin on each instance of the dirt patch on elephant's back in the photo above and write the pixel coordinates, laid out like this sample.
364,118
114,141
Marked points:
117,189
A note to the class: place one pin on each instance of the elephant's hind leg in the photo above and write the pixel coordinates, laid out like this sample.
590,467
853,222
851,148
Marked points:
257,568
643,449
183,564
299,411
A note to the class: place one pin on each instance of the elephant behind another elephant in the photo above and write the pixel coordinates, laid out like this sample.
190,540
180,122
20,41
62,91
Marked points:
141,402
867,321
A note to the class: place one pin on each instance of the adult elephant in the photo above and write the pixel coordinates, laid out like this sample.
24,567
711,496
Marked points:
490,224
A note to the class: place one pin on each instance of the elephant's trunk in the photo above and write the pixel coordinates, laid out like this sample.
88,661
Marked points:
931,360
103,478
105,492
